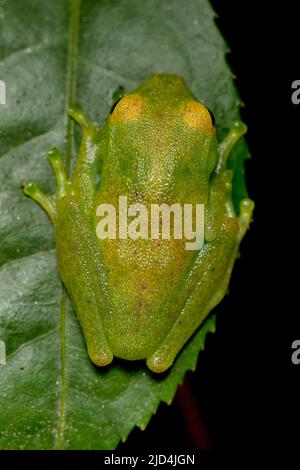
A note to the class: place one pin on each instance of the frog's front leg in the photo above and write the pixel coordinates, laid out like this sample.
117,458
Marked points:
220,200
87,171
207,284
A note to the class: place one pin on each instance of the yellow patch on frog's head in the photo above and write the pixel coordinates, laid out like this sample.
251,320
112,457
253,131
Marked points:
128,109
197,116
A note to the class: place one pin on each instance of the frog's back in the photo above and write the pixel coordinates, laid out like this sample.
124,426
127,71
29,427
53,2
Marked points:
151,160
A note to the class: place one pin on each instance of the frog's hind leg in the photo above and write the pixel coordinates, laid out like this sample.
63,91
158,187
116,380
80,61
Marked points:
207,285
81,268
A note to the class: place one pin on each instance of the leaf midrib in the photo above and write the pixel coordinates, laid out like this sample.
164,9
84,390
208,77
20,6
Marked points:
74,6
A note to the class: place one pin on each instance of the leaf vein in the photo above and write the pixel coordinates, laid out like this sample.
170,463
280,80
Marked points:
31,341
74,6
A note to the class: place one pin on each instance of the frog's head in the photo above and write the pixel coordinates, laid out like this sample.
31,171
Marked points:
163,118
166,93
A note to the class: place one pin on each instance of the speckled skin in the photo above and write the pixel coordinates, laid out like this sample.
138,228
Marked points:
143,299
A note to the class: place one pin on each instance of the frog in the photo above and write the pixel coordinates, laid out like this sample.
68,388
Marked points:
142,298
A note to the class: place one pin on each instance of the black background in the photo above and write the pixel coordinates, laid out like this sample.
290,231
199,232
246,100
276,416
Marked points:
245,391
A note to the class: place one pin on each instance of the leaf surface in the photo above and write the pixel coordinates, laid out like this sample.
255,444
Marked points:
54,54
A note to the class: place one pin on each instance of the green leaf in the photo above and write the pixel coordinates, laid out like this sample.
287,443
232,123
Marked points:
54,54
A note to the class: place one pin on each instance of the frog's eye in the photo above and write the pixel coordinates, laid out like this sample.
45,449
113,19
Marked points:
197,116
114,105
213,120
127,109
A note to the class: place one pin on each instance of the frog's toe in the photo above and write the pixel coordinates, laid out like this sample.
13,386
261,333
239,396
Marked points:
46,202
101,358
79,116
159,364
245,217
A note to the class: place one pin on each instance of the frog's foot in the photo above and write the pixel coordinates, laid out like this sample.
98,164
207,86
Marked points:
46,202
62,183
236,132
159,364
84,295
100,356
88,128
221,185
